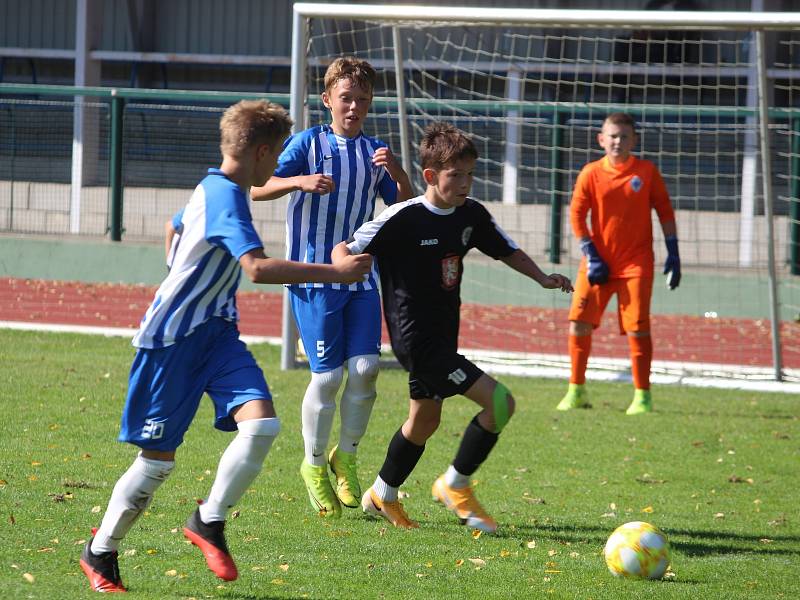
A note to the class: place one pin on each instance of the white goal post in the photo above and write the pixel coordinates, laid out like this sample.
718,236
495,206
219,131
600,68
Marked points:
531,86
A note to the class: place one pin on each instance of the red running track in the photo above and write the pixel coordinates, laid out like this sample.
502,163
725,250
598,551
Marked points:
742,342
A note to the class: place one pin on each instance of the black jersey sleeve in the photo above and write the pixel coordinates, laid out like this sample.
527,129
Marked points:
375,237
488,236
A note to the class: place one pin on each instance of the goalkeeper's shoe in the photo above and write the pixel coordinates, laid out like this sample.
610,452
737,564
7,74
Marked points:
576,397
320,492
210,538
463,503
343,465
642,403
102,570
391,511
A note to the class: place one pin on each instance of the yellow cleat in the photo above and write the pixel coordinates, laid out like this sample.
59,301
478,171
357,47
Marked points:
320,492
576,397
463,503
642,403
391,511
343,465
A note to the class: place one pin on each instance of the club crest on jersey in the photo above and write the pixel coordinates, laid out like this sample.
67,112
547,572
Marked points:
465,235
450,272
636,183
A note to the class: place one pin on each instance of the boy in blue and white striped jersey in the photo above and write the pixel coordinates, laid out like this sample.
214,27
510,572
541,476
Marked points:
334,174
188,344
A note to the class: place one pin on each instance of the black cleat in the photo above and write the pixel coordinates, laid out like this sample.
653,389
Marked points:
210,538
102,570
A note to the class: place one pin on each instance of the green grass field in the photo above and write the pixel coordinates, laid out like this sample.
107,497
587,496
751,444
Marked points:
716,470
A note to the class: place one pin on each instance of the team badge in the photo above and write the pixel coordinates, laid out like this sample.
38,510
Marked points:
450,272
636,183
465,235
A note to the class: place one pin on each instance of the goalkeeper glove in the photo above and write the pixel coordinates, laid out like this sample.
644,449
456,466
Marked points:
672,266
597,268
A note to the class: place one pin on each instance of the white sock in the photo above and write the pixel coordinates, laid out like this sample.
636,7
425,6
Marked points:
132,494
455,479
240,464
319,406
385,492
357,401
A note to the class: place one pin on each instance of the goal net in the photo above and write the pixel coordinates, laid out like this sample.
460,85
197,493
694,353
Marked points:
532,87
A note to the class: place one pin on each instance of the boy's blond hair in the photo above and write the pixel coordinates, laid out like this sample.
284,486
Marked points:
443,144
251,123
360,72
621,118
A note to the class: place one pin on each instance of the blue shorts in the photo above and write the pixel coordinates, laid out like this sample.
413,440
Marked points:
336,324
166,384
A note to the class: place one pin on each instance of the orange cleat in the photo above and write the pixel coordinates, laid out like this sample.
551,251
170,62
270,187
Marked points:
463,503
391,511
209,537
102,570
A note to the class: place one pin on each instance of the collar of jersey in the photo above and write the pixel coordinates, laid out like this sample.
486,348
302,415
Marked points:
215,171
618,168
342,137
435,209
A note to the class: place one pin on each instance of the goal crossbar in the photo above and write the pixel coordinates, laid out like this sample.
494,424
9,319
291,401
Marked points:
602,19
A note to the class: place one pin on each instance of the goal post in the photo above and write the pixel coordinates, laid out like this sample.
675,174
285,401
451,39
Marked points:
531,87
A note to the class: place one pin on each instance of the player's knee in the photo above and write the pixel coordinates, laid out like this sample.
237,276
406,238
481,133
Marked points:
156,465
258,435
362,373
363,367
327,383
580,328
260,428
503,406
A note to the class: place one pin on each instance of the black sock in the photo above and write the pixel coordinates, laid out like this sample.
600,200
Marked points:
401,458
475,446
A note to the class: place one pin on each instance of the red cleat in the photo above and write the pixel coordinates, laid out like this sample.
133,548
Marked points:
102,570
210,539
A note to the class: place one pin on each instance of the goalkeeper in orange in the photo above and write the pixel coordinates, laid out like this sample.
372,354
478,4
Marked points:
619,191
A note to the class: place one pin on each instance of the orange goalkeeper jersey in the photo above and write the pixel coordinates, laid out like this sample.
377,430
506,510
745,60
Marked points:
620,199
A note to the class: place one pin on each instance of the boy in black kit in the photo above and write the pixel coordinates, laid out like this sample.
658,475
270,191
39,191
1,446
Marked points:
420,245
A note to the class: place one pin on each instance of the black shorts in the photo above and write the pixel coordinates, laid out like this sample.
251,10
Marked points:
443,374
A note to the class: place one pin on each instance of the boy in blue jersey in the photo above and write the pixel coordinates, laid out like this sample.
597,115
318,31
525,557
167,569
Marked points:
188,344
334,174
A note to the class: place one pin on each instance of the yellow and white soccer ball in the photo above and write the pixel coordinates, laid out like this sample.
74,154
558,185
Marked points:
639,550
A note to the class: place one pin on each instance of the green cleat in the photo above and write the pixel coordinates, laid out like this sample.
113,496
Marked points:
320,491
576,397
642,403
343,465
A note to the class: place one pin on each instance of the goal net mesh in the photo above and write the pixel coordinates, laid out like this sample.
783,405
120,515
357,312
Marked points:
532,100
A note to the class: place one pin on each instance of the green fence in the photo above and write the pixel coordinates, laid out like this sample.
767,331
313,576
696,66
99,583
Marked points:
142,149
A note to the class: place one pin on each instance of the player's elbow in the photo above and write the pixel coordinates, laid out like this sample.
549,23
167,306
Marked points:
257,271
252,273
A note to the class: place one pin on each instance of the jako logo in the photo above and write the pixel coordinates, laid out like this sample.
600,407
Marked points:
430,242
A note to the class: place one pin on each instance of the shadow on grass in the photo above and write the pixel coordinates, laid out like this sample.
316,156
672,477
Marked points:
700,543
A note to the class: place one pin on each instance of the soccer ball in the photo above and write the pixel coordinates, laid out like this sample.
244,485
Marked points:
637,549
